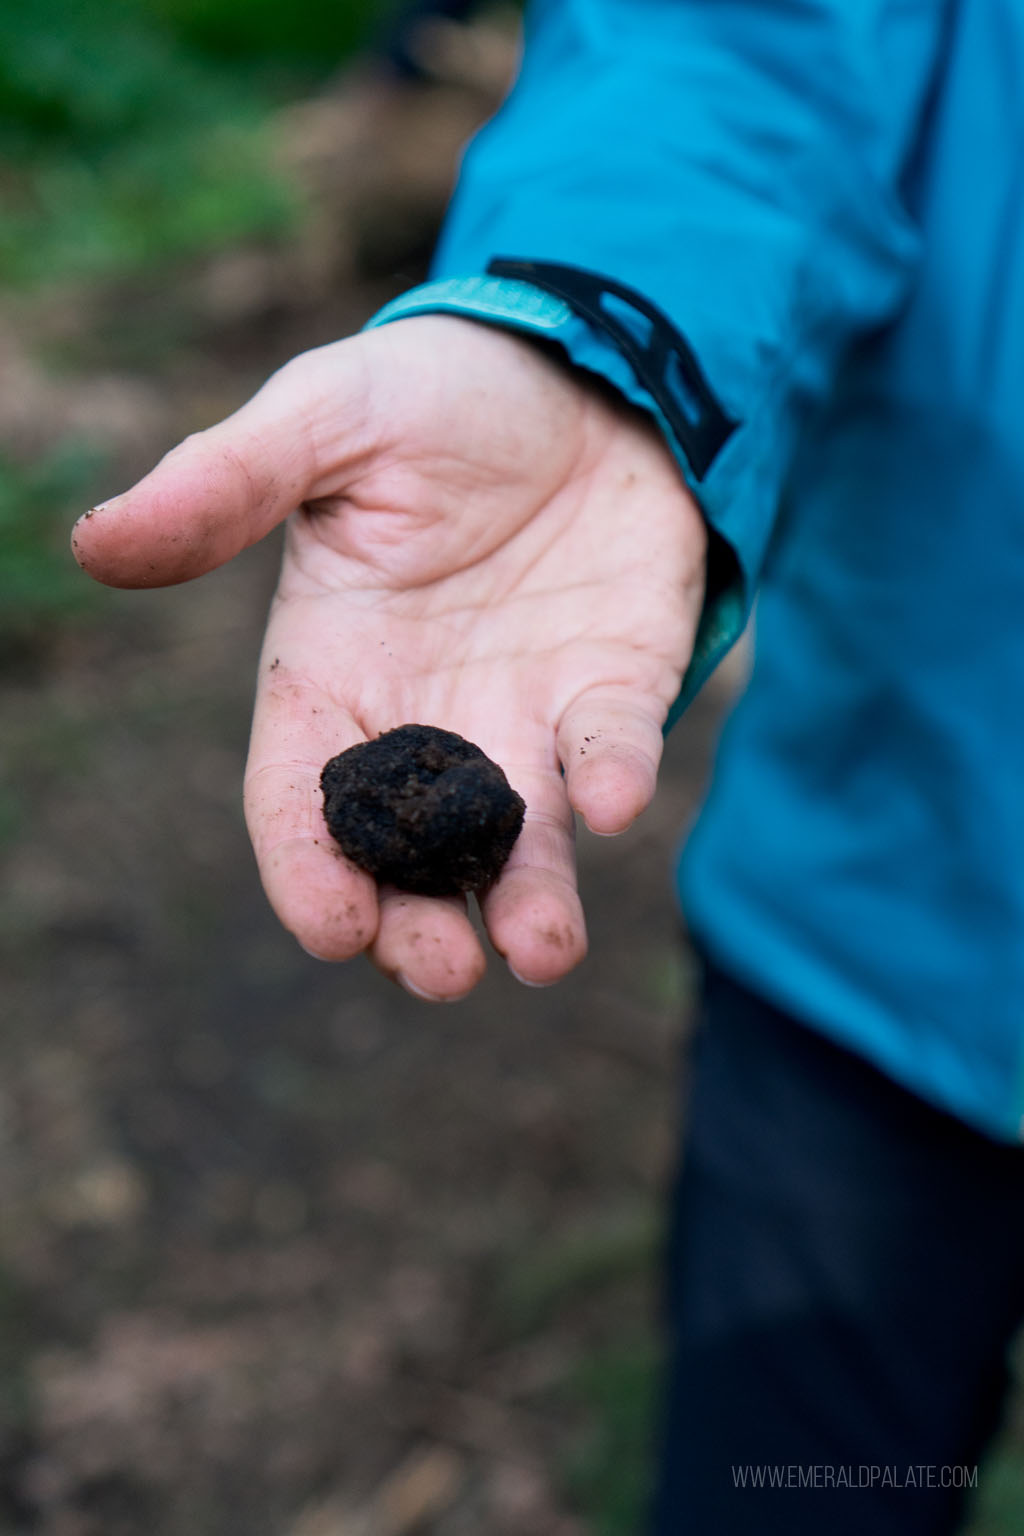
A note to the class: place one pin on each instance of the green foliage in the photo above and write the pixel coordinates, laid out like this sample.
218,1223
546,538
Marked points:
41,584
132,132
316,33
613,1389
609,1476
536,1287
20,1332
999,1508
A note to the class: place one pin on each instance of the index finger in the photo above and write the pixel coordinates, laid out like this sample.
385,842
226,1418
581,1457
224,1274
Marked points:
318,894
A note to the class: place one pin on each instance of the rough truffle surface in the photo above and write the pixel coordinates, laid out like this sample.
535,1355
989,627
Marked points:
422,809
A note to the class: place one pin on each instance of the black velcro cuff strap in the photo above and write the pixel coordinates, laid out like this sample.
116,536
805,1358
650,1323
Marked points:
659,356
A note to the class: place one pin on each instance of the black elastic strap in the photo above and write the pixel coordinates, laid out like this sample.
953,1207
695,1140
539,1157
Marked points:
701,426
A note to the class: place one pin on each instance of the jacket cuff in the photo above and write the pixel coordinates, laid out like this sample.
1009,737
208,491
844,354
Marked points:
522,306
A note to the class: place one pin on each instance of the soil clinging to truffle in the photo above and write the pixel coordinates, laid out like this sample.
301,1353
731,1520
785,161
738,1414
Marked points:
422,809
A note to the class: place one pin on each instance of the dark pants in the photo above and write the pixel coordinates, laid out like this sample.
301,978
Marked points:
845,1274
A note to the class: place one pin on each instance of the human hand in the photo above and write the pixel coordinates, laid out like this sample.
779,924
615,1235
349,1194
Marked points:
475,539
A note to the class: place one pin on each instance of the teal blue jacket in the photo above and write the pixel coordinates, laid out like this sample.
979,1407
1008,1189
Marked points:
793,231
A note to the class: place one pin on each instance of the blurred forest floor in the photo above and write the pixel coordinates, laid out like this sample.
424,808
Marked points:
284,1252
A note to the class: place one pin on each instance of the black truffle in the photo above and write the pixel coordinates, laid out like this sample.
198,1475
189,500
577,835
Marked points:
423,809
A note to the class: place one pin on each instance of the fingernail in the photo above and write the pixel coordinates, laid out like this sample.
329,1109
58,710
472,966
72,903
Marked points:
427,997
597,832
324,959
528,983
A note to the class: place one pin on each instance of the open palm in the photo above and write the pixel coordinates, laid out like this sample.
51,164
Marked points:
477,540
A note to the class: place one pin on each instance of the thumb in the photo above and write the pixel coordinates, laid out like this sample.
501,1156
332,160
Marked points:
220,490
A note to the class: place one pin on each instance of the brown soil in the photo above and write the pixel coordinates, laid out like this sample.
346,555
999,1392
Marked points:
284,1252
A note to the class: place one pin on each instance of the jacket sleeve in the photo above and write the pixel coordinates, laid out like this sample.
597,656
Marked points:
739,168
